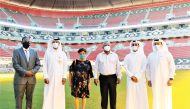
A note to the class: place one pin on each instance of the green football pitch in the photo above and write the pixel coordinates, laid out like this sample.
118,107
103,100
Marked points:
181,93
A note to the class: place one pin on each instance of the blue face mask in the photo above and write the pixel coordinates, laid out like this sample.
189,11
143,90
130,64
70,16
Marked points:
82,56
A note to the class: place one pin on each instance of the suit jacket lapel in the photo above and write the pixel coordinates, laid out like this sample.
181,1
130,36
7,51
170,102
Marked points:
23,54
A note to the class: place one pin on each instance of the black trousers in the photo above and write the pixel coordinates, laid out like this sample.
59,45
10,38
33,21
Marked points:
108,84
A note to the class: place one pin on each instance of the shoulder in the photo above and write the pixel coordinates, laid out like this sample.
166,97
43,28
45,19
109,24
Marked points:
100,54
127,56
33,50
114,54
46,53
169,55
74,62
87,61
144,57
151,54
17,50
63,54
151,57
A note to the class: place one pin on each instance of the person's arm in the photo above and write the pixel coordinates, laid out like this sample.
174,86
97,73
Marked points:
171,67
45,66
90,75
18,68
125,64
37,64
89,84
118,68
143,68
90,70
148,74
65,69
96,72
70,79
71,70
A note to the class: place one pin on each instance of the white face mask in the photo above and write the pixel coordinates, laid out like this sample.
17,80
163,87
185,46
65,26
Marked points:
55,45
107,48
157,47
134,48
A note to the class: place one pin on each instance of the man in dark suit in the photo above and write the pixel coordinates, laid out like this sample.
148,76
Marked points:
26,64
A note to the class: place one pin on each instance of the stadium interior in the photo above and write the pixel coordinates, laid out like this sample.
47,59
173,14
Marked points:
88,23
137,21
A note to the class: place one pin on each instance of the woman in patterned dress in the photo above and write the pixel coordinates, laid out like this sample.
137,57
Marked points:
80,74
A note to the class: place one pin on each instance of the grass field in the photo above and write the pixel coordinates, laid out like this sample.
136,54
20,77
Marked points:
181,93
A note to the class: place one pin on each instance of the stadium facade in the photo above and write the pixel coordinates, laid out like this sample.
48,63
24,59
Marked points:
168,19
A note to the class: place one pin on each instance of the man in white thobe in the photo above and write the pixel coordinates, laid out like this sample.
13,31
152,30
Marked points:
55,69
135,66
160,74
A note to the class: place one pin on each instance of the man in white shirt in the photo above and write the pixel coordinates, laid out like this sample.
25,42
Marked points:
107,68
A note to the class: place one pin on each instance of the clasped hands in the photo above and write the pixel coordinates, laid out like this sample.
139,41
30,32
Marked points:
29,74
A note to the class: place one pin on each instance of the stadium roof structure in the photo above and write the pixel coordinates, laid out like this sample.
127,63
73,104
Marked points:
75,5
70,8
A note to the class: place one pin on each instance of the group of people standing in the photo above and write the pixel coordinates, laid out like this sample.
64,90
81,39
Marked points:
157,70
